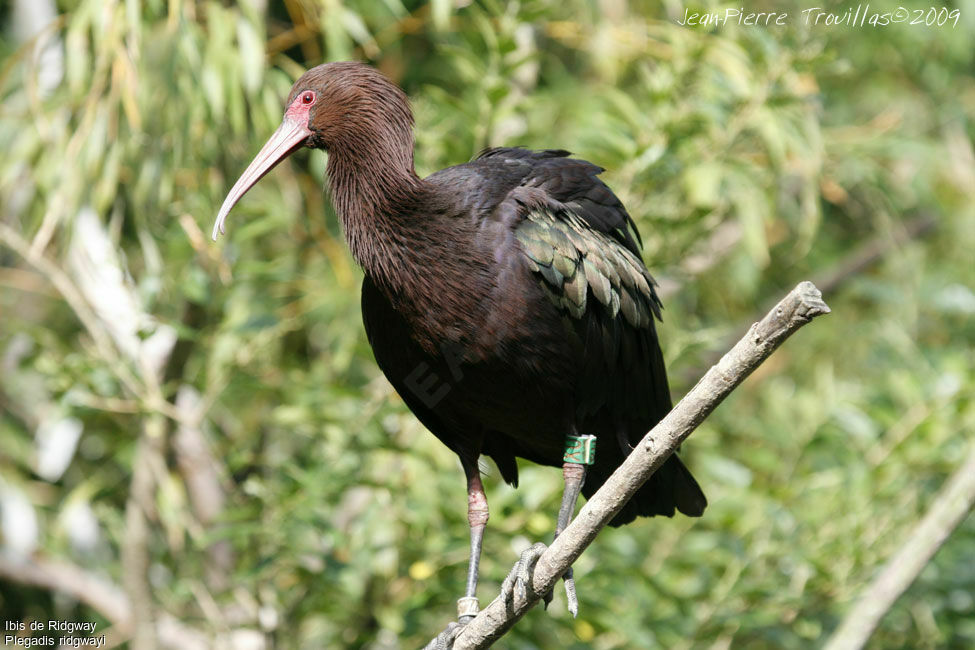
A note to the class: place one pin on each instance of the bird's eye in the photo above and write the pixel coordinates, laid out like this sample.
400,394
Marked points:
308,97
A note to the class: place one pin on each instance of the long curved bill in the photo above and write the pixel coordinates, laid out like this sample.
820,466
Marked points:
286,140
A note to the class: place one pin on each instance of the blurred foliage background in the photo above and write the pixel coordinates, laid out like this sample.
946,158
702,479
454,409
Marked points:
197,449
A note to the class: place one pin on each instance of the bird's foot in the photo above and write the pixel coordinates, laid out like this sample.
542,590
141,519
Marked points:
467,608
571,601
445,640
517,581
520,578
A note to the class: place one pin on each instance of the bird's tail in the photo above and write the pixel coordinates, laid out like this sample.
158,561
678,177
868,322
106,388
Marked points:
670,489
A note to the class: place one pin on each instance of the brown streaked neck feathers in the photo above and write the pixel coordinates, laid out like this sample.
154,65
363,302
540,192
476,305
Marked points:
376,204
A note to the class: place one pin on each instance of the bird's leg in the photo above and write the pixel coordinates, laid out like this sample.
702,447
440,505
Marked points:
580,451
477,517
574,475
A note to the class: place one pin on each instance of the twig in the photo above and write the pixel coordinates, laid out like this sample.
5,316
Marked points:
799,307
873,251
949,509
201,475
110,601
832,279
720,243
98,593
66,287
135,543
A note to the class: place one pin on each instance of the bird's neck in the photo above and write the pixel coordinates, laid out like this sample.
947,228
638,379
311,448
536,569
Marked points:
392,222
399,230
374,192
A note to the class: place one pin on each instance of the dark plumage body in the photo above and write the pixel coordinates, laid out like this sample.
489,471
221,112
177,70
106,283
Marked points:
505,298
510,371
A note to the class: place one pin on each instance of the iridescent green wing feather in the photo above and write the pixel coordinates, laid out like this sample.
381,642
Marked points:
569,258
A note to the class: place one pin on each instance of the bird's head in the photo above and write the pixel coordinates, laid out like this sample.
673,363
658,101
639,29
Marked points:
347,108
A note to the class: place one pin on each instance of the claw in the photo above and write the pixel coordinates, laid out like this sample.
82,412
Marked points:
571,602
517,581
445,640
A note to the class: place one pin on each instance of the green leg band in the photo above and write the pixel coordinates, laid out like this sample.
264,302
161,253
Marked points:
580,450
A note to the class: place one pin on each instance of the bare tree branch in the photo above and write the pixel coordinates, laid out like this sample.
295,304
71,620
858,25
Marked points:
799,307
949,509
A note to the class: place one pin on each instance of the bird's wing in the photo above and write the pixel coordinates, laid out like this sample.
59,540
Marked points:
574,261
575,238
575,184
